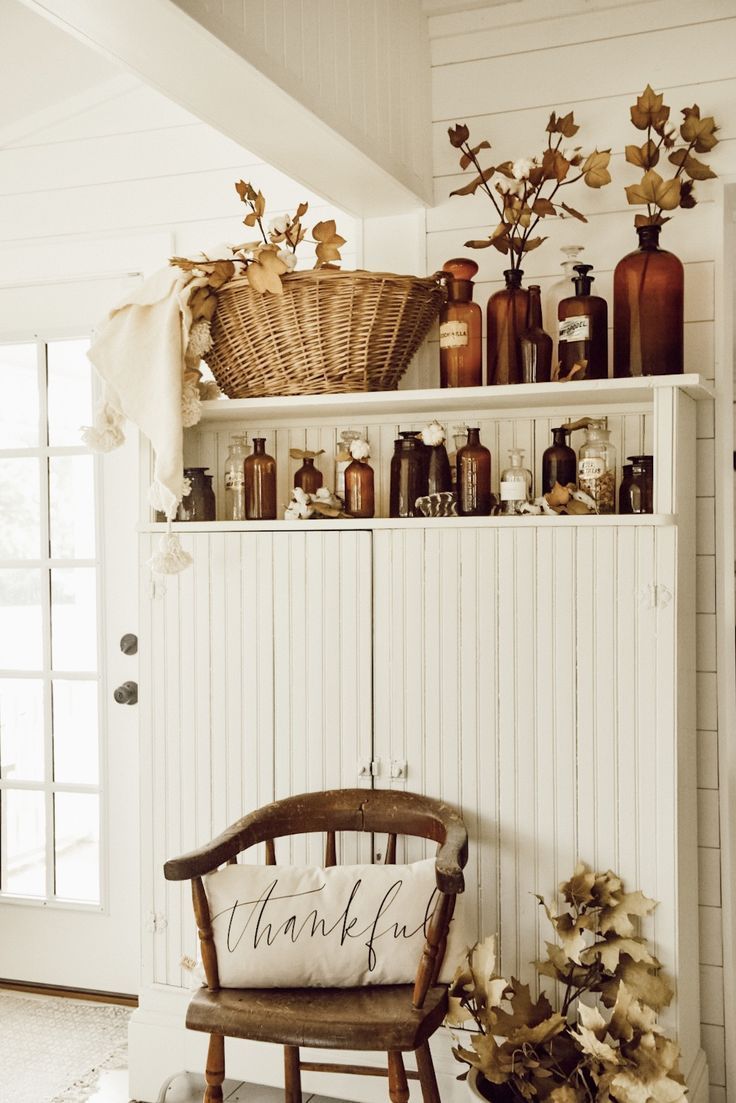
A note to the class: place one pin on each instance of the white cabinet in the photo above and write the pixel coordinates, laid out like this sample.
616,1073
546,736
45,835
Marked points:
536,672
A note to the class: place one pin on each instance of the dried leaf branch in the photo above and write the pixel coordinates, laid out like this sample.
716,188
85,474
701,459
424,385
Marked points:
696,135
525,191
605,1047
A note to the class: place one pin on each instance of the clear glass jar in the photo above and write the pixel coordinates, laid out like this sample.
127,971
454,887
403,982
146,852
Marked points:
597,467
561,288
516,484
235,480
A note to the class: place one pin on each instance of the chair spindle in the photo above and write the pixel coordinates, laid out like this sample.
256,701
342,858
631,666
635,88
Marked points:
204,927
270,852
330,849
390,855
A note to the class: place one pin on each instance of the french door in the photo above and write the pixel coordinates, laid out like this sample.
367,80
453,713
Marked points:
68,776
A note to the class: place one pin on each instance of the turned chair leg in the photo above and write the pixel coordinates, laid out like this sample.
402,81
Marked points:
398,1088
292,1075
427,1078
215,1071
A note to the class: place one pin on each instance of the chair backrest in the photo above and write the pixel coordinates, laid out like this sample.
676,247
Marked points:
376,811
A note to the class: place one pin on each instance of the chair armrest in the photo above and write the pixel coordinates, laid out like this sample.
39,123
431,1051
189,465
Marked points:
207,858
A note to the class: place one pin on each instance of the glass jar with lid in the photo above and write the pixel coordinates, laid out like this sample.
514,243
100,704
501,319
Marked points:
235,479
636,494
597,467
516,484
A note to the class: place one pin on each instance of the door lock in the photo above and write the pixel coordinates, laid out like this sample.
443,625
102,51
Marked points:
127,693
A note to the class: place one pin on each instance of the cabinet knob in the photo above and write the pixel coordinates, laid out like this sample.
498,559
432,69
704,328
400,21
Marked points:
129,644
127,693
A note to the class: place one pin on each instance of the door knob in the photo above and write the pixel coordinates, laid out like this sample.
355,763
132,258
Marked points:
129,644
127,693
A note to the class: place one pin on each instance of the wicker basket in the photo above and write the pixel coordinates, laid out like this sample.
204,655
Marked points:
329,331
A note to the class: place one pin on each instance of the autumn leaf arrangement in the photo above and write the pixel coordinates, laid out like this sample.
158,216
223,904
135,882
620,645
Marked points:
679,145
268,258
525,191
604,1042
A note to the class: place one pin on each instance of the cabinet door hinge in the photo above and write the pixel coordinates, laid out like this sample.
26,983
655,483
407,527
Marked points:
655,596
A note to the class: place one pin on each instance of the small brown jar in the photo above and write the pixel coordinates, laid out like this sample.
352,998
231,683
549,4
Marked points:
474,477
260,483
640,491
408,475
559,462
359,489
308,477
439,473
583,335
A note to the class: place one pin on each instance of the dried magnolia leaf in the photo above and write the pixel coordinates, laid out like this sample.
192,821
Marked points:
573,212
649,110
475,183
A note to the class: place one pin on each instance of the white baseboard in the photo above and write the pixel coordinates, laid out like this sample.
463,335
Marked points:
160,1046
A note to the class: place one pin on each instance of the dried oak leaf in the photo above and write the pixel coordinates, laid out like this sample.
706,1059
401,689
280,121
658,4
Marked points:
595,168
616,917
700,131
649,110
475,183
653,189
458,134
645,156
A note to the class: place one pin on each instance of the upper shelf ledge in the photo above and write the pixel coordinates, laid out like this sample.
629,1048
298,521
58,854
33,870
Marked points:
562,396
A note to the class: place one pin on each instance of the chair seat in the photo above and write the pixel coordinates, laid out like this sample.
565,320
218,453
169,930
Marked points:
373,1018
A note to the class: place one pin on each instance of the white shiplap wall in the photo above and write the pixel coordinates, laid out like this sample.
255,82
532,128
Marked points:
502,69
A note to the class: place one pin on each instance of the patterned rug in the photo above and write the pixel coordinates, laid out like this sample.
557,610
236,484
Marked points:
53,1050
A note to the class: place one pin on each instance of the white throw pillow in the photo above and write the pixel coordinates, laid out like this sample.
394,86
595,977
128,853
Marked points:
304,926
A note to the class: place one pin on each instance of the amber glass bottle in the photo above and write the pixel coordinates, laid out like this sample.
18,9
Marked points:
461,356
506,318
559,462
359,489
535,344
260,483
648,297
583,337
473,477
408,475
308,477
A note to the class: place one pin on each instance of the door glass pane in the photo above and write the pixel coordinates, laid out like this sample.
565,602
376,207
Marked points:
70,390
75,732
72,507
77,846
24,832
20,532
73,618
21,622
19,418
21,729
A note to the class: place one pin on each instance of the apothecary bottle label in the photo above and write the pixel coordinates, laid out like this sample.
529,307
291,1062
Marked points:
234,480
513,490
453,335
575,329
591,468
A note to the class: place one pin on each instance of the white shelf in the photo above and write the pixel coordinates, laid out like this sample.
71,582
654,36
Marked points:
352,523
586,395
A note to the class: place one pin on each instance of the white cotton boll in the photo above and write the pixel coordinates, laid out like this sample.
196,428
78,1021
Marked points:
522,168
288,258
360,449
324,494
433,434
300,496
279,224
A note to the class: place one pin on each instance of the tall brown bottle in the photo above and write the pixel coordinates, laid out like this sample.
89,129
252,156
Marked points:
260,483
535,344
359,489
473,477
583,338
506,316
648,304
461,356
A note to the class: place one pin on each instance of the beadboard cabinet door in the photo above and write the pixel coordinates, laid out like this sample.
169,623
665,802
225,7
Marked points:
255,683
528,676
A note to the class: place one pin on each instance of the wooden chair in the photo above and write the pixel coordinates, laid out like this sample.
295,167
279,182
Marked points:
392,1018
